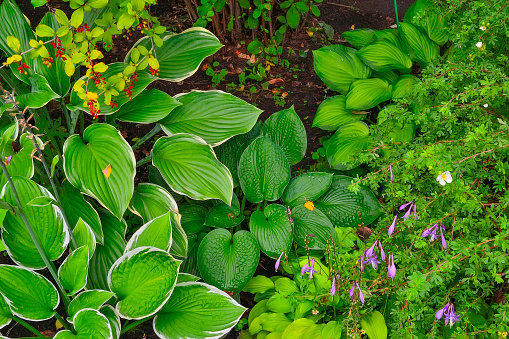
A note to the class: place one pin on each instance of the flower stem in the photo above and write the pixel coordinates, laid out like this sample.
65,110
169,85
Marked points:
28,326
144,161
396,10
70,128
136,323
147,136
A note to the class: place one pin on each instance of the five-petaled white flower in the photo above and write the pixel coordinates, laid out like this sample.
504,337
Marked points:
485,105
482,28
444,178
479,44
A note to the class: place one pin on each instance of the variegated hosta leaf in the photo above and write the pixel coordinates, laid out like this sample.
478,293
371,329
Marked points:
197,310
148,107
93,299
22,163
109,312
155,233
90,324
73,271
150,201
84,237
101,165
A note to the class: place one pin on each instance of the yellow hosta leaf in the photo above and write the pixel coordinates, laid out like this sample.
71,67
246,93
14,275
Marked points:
107,171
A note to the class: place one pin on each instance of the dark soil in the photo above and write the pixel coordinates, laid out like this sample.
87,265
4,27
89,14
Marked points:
297,85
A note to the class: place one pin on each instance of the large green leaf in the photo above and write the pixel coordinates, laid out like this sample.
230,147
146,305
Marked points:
228,262
87,161
338,66
84,236
302,328
374,325
143,280
346,208
45,221
306,187
5,313
391,35
214,116
272,229
150,201
105,255
197,310
92,299
179,246
404,86
383,56
287,130
148,107
22,163
416,10
193,218
200,176
224,216
190,264
73,271
332,113
420,47
76,207
436,26
359,38
348,140
181,54
312,225
366,94
155,233
263,171
89,324
28,294
114,320
40,94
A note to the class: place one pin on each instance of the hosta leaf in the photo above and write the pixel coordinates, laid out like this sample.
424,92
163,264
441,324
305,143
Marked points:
201,176
114,320
193,218
179,246
383,56
436,26
348,140
84,162
332,113
76,207
421,48
197,310
40,94
105,255
272,229
155,233
287,130
29,295
338,66
374,325
143,280
313,225
90,324
73,271
391,35
46,223
417,9
359,38
224,216
190,264
92,299
306,187
404,86
22,163
228,262
186,277
346,208
84,237
150,201
214,116
5,312
263,171
181,54
332,330
366,94
148,107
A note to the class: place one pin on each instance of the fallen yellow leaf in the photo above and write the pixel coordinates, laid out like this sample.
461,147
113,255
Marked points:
107,171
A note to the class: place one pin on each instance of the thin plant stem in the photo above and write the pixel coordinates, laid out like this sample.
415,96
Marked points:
147,136
28,326
134,324
44,257
64,323
396,10
144,161
70,128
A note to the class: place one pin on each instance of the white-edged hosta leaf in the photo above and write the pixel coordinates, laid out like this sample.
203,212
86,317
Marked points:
143,280
155,233
181,54
75,207
84,162
360,37
306,187
346,208
22,163
149,106
214,116
179,246
109,312
73,271
338,66
186,277
287,130
92,299
89,324
263,171
5,313
383,56
272,229
200,176
332,113
197,310
40,94
312,224
46,223
84,237
367,93
348,140
420,47
150,201
29,295
105,255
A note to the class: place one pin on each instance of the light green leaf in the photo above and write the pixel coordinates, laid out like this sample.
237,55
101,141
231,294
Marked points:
332,113
91,299
150,201
366,94
84,237
22,163
42,201
44,31
155,233
348,140
214,116
5,312
313,225
359,38
259,284
306,187
300,329
374,325
286,286
186,277
263,171
404,86
179,247
73,271
148,107
197,310
143,280
272,229
114,320
40,94
420,47
201,176
86,159
90,324
332,330
383,56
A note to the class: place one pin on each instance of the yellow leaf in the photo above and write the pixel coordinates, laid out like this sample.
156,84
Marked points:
12,59
352,27
92,96
107,171
69,68
58,325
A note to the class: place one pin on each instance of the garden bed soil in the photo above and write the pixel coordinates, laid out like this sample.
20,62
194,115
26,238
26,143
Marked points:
297,85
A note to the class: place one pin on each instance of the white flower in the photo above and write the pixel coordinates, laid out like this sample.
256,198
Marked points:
482,28
485,105
479,44
444,178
